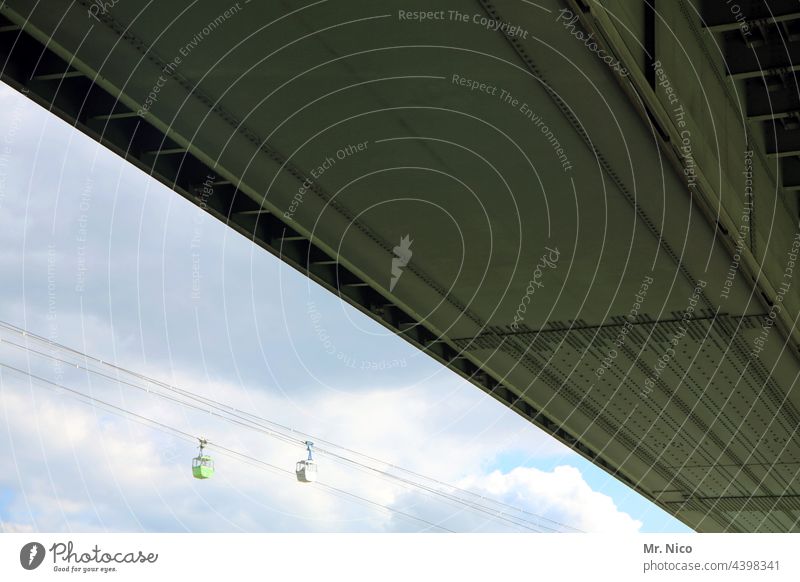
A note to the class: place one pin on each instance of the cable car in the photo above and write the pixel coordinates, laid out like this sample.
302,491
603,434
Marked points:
202,465
307,469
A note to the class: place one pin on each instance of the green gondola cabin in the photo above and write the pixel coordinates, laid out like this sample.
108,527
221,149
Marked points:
202,465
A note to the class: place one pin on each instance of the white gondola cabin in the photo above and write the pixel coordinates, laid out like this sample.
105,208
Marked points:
306,469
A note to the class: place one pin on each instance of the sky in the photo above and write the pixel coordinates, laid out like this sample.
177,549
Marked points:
99,257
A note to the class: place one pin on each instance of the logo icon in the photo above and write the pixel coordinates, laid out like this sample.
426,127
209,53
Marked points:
31,555
403,255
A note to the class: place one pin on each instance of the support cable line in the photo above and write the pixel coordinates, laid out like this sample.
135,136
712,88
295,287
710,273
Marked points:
492,513
226,451
518,517
500,515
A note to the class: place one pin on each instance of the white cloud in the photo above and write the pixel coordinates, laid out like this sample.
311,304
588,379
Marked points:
68,467
81,469
8,527
562,492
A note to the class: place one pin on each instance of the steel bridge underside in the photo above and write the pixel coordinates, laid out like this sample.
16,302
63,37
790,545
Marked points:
569,257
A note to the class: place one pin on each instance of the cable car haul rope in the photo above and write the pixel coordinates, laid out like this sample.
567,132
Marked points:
306,470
